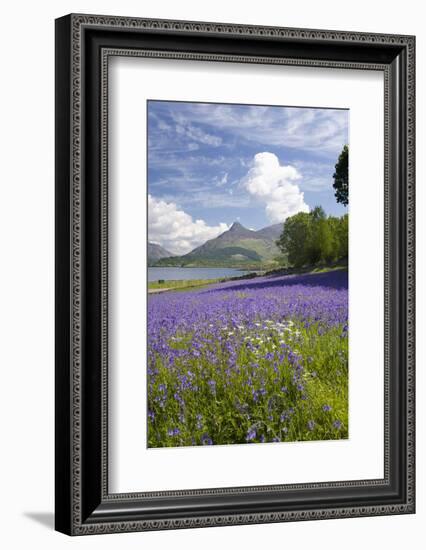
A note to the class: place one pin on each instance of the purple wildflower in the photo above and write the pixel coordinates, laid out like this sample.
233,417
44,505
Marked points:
225,326
251,434
206,440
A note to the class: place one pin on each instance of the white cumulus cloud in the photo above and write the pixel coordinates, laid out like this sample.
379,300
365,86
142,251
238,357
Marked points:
276,186
175,230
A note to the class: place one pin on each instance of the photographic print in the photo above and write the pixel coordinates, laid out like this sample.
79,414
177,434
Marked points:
247,274
202,208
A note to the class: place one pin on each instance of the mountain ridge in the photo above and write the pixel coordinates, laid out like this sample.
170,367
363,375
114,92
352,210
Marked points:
157,252
236,247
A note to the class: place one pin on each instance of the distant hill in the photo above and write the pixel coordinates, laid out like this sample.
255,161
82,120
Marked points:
272,232
237,247
156,252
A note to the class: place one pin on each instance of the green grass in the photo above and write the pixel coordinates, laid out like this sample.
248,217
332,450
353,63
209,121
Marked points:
326,269
182,284
306,269
260,394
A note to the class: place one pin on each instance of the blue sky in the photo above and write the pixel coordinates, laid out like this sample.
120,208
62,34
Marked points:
211,164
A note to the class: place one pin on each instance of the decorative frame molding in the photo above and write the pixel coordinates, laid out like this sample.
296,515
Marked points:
84,44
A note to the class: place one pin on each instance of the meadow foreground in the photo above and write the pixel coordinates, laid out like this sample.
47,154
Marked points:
260,360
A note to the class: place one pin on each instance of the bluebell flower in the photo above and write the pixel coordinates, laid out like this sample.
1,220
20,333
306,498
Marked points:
251,434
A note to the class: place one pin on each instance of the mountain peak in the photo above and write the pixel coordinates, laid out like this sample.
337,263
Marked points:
238,246
156,252
236,226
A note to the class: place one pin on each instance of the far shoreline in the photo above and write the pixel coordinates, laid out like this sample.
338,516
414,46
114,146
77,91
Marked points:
160,286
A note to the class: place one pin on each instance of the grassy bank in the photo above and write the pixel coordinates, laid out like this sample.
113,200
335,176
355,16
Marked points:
199,283
324,268
181,284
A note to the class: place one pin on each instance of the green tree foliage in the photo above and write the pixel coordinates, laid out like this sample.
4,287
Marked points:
343,236
341,177
294,238
313,238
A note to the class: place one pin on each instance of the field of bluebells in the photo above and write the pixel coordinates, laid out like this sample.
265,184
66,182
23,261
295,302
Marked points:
249,361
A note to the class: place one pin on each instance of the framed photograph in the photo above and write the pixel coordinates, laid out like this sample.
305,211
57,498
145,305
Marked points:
234,274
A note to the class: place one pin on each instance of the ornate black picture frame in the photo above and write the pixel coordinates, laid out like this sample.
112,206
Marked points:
83,45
